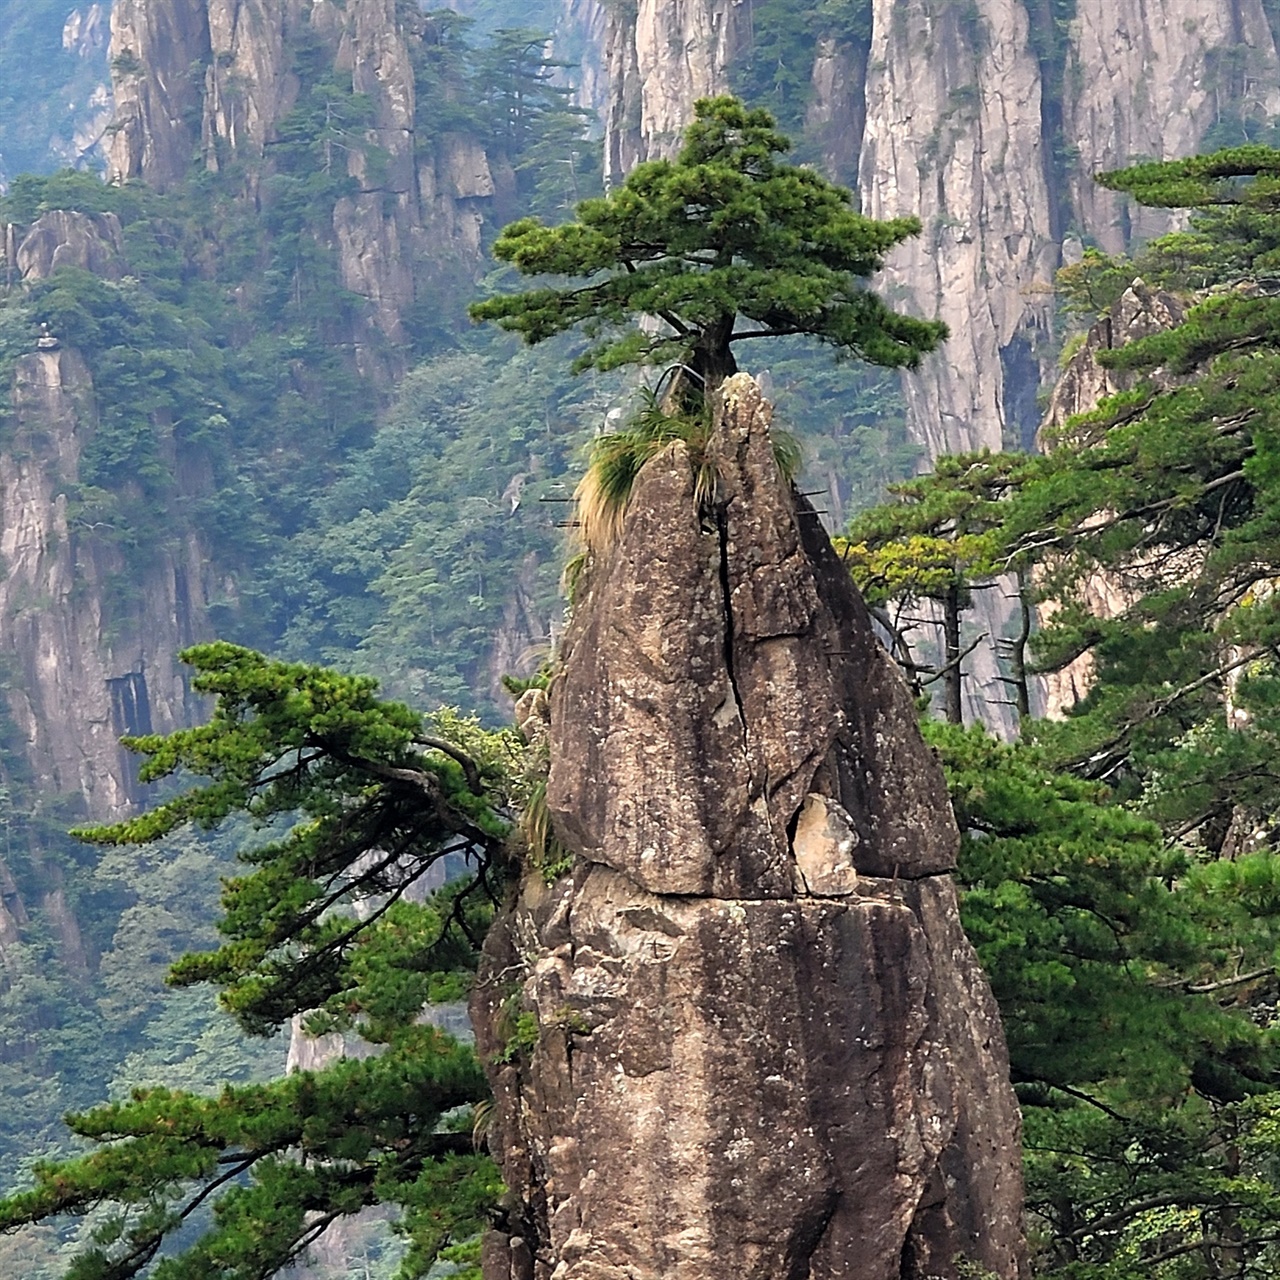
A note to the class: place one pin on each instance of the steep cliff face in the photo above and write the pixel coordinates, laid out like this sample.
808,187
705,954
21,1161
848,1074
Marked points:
581,39
988,120
213,79
953,134
962,106
837,114
248,81
660,58
155,50
1146,81
91,636
764,1046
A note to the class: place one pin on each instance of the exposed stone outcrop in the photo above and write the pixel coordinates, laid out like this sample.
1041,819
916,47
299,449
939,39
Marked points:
1085,382
248,82
65,238
155,49
86,31
91,660
764,1046
953,135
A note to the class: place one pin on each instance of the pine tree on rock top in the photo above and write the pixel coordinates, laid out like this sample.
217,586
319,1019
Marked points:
723,244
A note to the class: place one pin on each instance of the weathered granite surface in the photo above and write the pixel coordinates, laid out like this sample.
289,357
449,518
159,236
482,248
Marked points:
764,1047
1084,383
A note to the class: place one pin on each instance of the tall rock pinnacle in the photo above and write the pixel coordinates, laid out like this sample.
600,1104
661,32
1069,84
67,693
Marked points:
763,1046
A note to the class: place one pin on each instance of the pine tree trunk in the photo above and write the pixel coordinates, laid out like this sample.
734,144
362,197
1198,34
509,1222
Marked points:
952,676
712,359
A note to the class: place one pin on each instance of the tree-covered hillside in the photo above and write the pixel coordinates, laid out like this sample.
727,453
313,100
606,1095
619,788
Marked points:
1135,955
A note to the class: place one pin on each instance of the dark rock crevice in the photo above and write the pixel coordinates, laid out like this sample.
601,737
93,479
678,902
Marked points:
722,530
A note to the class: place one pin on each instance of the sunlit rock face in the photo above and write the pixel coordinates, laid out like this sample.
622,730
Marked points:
660,58
205,81
763,1045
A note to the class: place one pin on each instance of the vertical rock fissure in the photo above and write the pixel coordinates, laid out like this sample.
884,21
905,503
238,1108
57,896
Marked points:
726,589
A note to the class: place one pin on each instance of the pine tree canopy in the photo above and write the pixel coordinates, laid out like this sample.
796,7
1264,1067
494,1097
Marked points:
346,802
1122,861
724,244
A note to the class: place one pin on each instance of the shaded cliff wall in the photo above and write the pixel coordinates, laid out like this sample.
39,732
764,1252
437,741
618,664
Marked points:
764,1046
208,81
1147,81
953,134
89,633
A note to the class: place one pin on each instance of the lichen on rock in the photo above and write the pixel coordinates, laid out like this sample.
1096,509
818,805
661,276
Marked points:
764,1046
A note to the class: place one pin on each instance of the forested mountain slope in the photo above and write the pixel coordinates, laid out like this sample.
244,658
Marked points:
245,401
191,362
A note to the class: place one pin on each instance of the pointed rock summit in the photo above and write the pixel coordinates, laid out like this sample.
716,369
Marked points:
764,1047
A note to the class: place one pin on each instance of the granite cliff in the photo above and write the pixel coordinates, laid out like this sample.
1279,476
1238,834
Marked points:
209,81
90,636
764,1046
987,119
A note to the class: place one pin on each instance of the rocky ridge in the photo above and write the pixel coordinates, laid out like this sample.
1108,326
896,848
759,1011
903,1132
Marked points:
764,1046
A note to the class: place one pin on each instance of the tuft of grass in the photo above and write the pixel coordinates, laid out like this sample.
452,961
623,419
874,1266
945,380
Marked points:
544,851
615,461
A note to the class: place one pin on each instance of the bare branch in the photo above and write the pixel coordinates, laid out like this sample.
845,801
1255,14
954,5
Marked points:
469,766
